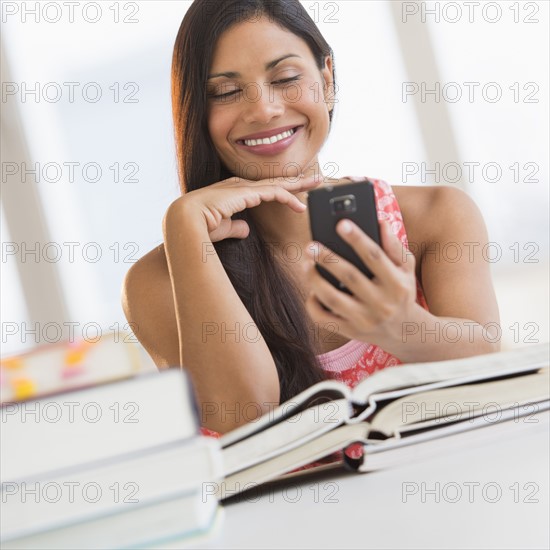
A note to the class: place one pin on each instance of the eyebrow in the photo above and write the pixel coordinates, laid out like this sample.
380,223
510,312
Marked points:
268,66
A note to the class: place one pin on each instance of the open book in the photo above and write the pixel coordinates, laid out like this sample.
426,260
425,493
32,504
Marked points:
392,410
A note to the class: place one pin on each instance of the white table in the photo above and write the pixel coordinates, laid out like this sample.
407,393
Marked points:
394,508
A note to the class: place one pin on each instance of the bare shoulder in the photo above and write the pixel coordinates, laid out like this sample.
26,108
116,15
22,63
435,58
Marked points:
148,304
455,275
439,213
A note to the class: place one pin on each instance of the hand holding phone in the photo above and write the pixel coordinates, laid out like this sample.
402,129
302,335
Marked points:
327,206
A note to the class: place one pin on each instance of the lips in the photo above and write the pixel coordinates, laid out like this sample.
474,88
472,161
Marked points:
282,139
267,133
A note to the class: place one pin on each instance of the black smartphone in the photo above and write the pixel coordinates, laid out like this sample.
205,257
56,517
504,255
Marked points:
327,206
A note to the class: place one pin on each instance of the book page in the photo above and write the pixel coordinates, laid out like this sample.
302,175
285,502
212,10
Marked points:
326,390
321,446
462,402
464,370
287,434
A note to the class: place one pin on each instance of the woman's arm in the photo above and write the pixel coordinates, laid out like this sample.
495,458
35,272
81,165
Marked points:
213,336
230,366
447,237
456,278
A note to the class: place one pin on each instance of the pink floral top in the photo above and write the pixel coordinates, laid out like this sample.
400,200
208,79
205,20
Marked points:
356,360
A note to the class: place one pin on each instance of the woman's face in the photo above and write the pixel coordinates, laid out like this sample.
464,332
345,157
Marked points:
265,85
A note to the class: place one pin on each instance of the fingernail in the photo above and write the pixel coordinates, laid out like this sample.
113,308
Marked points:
345,227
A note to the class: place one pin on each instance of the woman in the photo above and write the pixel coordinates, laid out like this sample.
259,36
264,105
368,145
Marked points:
252,88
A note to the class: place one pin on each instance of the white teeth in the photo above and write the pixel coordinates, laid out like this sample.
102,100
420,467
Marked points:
268,141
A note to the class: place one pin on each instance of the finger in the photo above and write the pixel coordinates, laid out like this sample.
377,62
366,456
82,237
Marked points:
395,249
349,275
274,193
319,313
300,183
370,253
341,304
230,229
323,317
239,229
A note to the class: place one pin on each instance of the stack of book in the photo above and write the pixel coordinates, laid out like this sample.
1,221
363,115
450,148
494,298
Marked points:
115,465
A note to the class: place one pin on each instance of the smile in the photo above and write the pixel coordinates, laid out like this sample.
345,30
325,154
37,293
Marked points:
270,145
267,141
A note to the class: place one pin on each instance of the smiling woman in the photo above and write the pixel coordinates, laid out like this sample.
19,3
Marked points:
253,100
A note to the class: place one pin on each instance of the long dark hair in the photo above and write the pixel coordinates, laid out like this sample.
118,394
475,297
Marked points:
268,294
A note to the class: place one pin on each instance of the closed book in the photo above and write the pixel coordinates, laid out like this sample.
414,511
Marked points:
82,426
65,365
107,487
185,517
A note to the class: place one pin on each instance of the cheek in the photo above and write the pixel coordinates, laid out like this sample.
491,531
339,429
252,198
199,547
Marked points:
213,127
312,93
218,126
312,101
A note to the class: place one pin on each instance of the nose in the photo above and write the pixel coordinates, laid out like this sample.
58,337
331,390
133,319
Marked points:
262,104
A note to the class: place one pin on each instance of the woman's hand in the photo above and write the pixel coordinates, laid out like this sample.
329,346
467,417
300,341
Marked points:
379,306
221,200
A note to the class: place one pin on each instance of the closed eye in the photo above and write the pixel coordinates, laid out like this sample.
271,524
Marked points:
228,94
233,92
286,80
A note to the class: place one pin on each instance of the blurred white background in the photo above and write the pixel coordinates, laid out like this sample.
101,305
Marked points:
380,46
